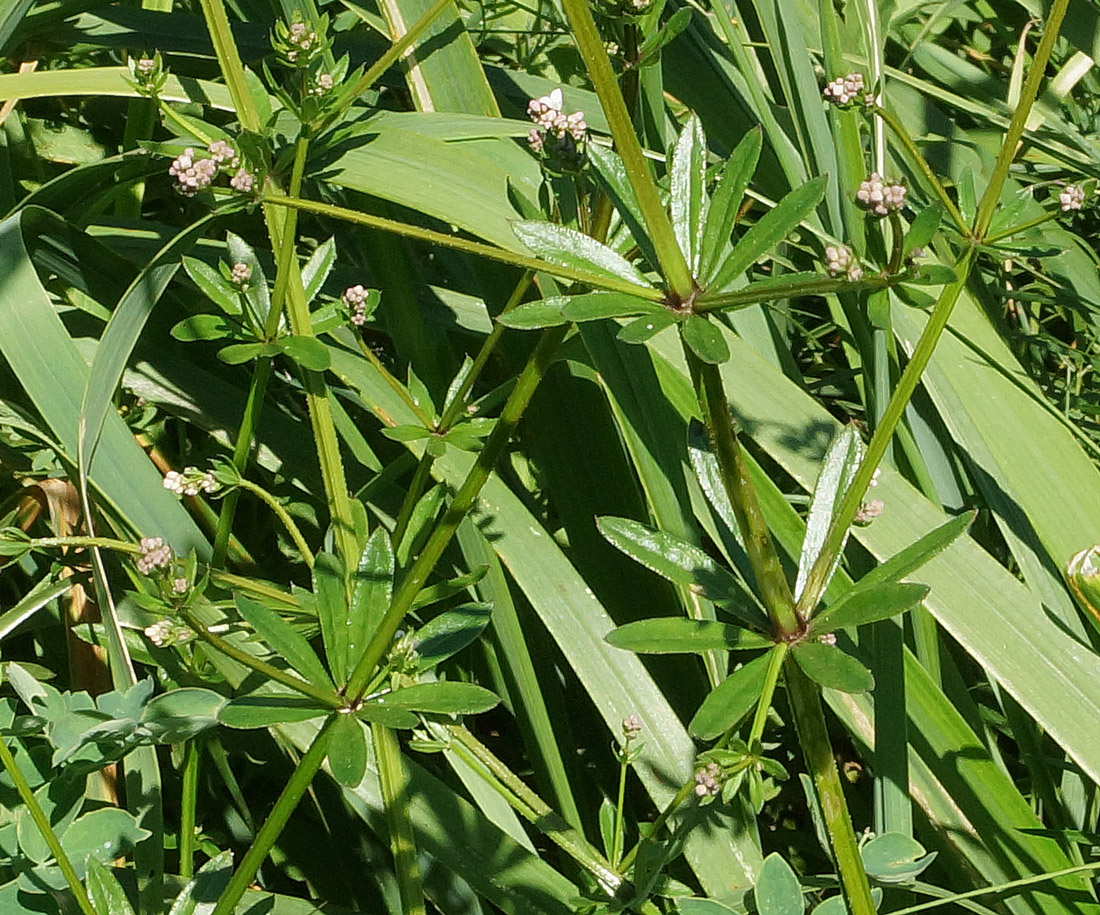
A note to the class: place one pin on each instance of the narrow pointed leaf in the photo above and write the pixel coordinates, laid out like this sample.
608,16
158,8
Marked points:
731,700
688,197
309,352
332,613
611,174
264,710
284,639
596,305
869,605
906,562
450,632
372,588
640,330
535,315
726,203
769,230
923,228
682,563
829,666
569,248
443,698
107,894
396,718
671,635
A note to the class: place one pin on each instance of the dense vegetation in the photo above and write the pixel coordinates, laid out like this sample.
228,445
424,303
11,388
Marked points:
549,457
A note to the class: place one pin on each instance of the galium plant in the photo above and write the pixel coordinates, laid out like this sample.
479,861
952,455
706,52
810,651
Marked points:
475,506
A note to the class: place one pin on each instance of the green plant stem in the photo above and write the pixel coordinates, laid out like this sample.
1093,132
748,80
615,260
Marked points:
225,49
461,244
387,60
1022,227
590,45
463,501
458,402
753,294
923,167
767,569
26,795
999,888
188,804
283,515
272,828
398,388
880,441
185,127
394,783
685,792
408,505
988,204
242,448
535,810
258,588
284,249
271,672
813,736
107,543
771,679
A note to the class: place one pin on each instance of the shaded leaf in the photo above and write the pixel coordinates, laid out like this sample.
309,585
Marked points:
829,666
671,635
777,890
705,340
731,700
347,751
286,641
309,352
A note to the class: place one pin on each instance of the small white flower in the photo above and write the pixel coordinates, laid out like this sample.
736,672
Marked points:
355,298
222,153
534,140
879,197
1071,197
174,482
240,274
242,181
632,726
191,175
874,477
180,585
829,638
868,511
708,781
844,89
155,554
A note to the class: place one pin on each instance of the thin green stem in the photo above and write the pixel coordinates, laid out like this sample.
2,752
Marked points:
769,291
461,244
1022,227
771,679
620,803
388,59
242,448
685,792
284,250
185,126
225,49
813,736
767,569
988,204
880,441
923,167
536,810
398,388
107,543
274,673
276,821
394,783
283,515
26,795
189,792
408,505
999,888
463,501
591,47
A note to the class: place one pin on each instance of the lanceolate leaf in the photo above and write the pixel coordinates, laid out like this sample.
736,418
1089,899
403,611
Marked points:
688,196
570,248
769,230
287,642
347,751
641,329
332,613
869,605
726,203
731,700
535,315
905,563
829,666
671,636
705,340
684,564
595,305
450,632
372,587
443,698
611,174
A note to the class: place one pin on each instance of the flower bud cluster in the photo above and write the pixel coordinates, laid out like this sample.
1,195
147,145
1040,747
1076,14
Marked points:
194,173
242,181
880,197
708,781
240,274
322,84
155,554
868,511
844,89
165,633
297,43
190,482
839,260
147,74
355,300
1071,197
557,133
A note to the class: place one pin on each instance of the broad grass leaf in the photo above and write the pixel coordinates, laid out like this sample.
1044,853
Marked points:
829,666
688,193
347,750
443,698
722,215
705,340
869,605
769,230
777,890
731,700
669,635
286,641
569,248
682,563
